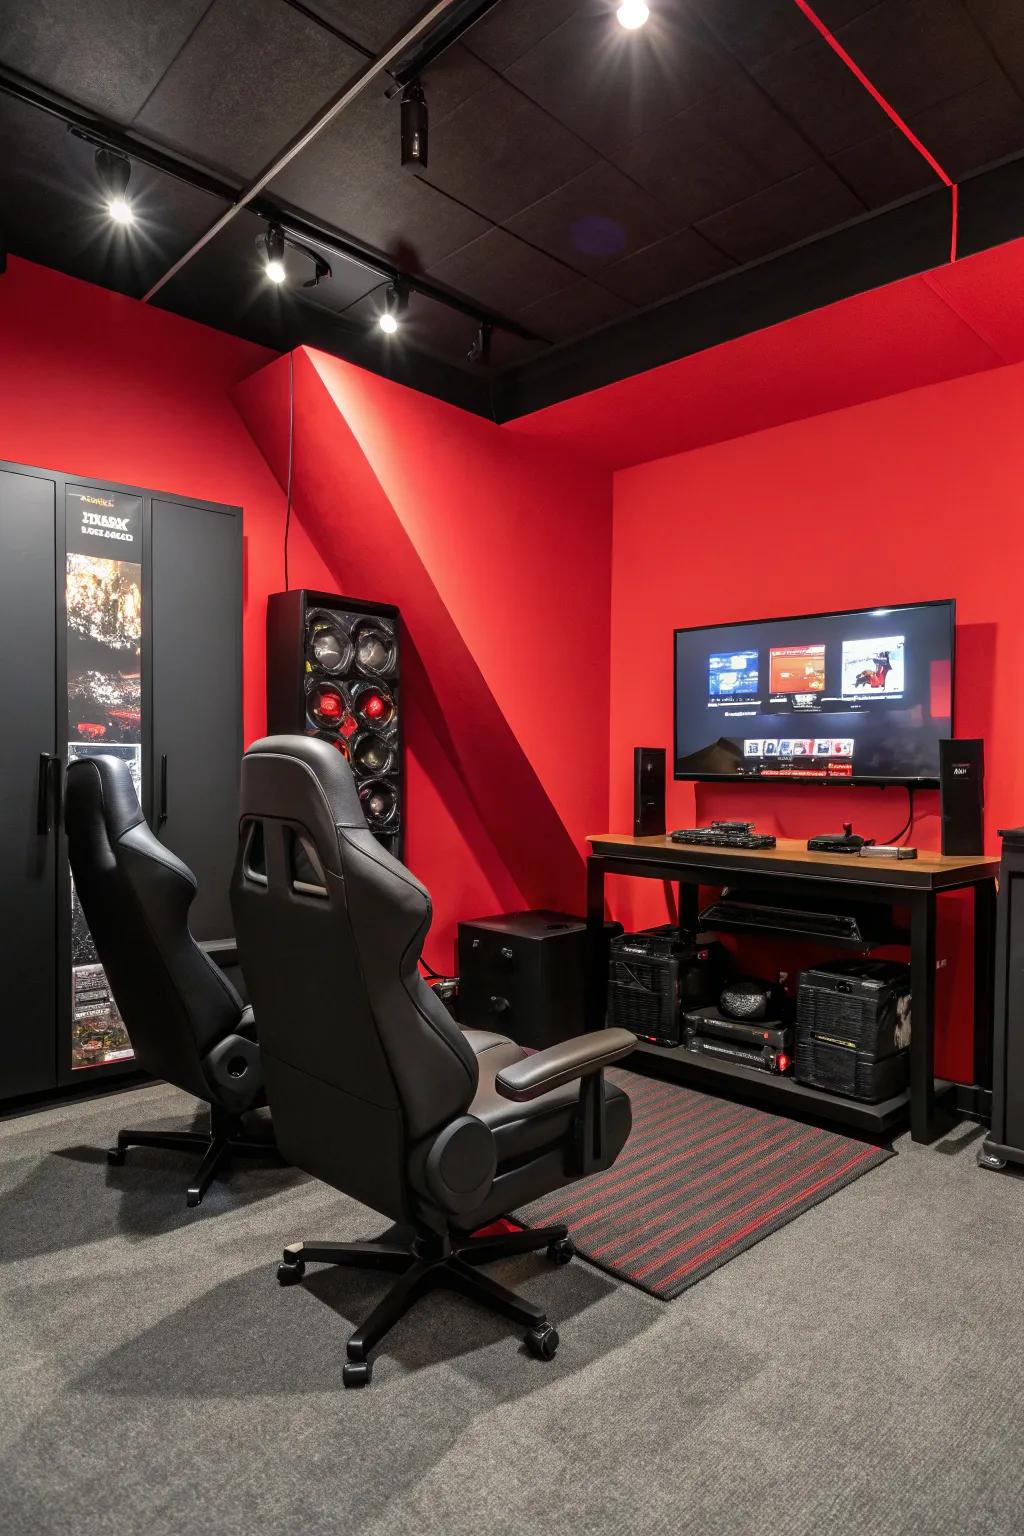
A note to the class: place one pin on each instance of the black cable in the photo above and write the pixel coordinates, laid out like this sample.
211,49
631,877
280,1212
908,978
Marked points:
291,454
435,975
909,821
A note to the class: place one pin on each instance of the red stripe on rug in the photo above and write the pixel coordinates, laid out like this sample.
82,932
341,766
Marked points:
804,1194
748,1172
752,1205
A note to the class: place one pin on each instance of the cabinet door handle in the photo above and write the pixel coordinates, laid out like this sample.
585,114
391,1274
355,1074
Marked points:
162,813
44,798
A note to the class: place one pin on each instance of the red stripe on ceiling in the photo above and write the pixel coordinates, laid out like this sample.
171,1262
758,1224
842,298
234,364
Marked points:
889,110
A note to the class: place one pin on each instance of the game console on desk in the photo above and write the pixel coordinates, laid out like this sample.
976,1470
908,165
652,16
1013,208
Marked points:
846,841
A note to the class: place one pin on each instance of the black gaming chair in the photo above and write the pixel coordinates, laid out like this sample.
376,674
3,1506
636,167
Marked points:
185,1020
373,1088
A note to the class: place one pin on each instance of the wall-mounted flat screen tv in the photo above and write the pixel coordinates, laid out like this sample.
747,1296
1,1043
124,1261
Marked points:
860,697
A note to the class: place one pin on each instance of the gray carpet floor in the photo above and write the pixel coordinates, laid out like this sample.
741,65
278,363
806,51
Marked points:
859,1371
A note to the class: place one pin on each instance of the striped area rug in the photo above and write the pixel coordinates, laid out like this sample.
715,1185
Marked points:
699,1181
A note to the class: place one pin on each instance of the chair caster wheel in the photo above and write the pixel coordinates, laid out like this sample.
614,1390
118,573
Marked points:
357,1373
990,1160
542,1341
290,1274
193,1198
561,1251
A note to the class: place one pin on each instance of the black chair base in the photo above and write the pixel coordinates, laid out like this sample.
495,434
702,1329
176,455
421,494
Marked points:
429,1263
224,1140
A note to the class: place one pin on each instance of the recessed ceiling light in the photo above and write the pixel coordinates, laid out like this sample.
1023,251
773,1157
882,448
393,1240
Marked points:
632,14
120,210
388,323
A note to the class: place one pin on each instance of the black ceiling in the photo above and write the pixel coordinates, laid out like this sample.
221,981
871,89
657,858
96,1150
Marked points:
579,175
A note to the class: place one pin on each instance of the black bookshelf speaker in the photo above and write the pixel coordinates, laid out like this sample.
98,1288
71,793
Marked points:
962,795
648,791
333,671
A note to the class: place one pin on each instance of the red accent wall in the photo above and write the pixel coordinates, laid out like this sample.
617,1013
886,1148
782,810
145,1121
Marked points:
101,386
912,497
497,551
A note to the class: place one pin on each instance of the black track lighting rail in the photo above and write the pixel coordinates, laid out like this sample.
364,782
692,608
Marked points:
455,24
102,133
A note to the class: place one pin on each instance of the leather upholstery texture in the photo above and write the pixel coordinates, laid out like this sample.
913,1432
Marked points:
366,1070
182,1015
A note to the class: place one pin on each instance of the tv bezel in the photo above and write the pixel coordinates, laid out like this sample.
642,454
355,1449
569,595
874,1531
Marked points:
880,781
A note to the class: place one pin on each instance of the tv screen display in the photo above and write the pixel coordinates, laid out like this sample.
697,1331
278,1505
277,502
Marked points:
859,697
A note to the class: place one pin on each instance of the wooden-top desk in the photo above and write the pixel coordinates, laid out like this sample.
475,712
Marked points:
788,868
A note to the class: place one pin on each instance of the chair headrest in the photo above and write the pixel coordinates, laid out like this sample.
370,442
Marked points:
317,772
102,787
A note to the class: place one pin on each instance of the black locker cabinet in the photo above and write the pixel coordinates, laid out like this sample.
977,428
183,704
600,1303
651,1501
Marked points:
1006,1141
120,631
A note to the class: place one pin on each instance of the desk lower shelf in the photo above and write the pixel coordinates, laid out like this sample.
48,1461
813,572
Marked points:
781,1093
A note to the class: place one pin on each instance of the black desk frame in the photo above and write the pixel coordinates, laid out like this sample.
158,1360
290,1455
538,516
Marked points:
692,867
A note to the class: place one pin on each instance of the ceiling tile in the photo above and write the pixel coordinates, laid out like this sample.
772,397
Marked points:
819,94
974,128
884,168
451,80
250,77
512,27
609,85
794,210
918,52
501,272
374,23
1002,24
753,32
716,154
665,268
593,220
498,153
575,311
105,54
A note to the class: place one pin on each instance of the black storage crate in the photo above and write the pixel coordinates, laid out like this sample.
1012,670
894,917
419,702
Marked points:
653,975
853,1028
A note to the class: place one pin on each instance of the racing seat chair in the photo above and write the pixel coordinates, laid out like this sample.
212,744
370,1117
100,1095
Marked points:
185,1020
373,1087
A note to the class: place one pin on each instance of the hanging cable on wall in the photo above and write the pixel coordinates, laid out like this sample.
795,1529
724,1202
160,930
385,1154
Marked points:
291,459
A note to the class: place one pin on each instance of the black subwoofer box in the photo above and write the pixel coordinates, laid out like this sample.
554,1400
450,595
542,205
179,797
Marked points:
522,974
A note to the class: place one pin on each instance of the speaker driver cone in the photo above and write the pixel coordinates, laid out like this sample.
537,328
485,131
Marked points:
379,800
376,650
373,706
371,754
330,647
325,704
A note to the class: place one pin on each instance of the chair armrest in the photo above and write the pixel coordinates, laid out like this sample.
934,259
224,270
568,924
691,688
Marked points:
563,1063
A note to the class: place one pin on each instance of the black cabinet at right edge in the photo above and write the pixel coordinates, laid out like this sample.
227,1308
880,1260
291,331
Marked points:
1005,1144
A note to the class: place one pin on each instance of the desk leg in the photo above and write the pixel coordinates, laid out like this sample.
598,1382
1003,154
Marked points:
922,1018
596,997
984,979
688,907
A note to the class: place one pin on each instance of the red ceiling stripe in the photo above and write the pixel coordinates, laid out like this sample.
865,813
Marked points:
887,107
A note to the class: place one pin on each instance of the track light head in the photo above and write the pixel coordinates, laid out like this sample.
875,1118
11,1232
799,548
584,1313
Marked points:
632,14
272,245
480,351
395,303
113,171
414,127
